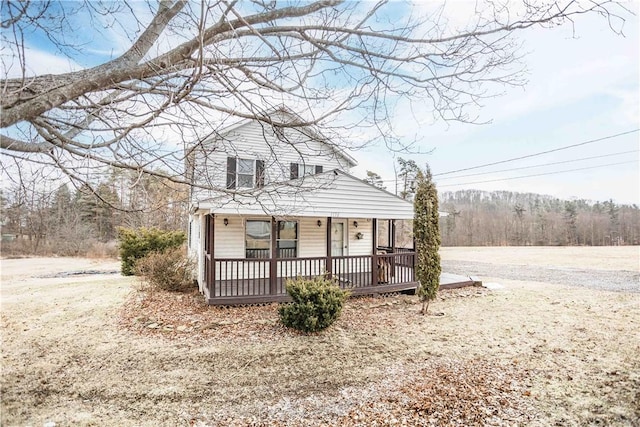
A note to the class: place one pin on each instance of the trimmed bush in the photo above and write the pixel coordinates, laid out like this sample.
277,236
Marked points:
168,270
135,244
317,303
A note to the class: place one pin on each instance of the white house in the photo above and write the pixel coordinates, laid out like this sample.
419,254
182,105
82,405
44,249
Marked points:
285,205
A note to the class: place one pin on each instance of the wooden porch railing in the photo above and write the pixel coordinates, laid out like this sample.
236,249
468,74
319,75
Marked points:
238,281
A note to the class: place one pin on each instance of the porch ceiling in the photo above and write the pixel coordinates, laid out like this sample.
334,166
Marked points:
330,194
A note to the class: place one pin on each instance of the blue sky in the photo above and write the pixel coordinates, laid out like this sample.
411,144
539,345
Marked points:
583,84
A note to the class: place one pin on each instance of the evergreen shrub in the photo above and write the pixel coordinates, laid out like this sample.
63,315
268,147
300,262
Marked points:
136,243
168,270
317,303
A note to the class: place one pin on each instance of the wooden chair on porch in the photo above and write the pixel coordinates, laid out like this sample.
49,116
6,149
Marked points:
384,269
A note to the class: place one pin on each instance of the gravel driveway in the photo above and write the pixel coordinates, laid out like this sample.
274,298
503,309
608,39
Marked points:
610,280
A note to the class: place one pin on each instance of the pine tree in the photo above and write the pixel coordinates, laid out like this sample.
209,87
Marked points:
375,180
408,175
427,237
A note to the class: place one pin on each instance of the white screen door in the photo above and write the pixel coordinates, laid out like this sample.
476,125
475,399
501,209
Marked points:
337,239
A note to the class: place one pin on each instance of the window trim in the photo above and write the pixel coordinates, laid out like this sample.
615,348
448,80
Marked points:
296,167
306,169
253,172
233,174
296,240
268,221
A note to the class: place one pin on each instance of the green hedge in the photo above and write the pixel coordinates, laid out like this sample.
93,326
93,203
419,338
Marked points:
317,303
136,243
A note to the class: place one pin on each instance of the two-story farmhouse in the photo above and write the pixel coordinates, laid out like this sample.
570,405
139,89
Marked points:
285,205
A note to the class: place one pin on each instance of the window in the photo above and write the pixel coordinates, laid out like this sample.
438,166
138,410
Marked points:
258,239
244,173
287,239
299,170
304,170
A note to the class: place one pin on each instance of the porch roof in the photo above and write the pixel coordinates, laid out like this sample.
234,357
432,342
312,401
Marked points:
330,194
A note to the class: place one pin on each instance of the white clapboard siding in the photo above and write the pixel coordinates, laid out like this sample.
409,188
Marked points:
254,140
312,240
229,239
360,246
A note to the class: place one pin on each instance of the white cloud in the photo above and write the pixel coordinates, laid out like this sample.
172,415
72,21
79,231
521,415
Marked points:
38,62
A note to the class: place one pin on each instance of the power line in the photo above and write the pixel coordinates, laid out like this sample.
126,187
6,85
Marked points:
538,174
541,165
540,153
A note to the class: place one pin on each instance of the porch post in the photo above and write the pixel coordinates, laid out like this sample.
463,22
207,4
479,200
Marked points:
209,253
392,235
329,260
374,252
273,266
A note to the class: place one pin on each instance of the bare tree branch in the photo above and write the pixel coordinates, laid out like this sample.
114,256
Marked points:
186,68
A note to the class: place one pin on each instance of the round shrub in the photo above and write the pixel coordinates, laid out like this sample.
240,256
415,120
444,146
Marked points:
168,270
317,303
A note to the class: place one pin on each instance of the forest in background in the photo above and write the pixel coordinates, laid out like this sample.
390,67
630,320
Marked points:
499,218
41,216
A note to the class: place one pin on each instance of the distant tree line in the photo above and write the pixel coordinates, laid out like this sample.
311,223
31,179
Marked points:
475,217
45,216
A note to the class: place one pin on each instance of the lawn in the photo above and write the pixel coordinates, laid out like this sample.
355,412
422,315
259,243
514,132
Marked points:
92,350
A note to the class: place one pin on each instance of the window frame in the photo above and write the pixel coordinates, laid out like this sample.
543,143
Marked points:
300,170
253,172
306,169
296,241
246,248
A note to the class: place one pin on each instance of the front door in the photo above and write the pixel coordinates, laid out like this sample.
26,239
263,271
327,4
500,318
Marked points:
338,246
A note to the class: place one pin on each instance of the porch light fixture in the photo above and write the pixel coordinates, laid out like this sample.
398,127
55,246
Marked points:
225,221
355,224
319,223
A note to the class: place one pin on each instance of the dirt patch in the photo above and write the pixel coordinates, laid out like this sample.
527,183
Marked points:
80,351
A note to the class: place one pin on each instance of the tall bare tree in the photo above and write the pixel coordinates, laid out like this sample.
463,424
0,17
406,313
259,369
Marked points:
186,66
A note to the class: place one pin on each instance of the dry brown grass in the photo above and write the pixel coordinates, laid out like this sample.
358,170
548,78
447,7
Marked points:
79,351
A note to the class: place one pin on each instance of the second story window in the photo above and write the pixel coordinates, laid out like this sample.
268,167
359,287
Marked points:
304,170
244,173
299,170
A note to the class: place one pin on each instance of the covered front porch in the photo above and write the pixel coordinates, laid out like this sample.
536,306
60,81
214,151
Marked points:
332,223
351,254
